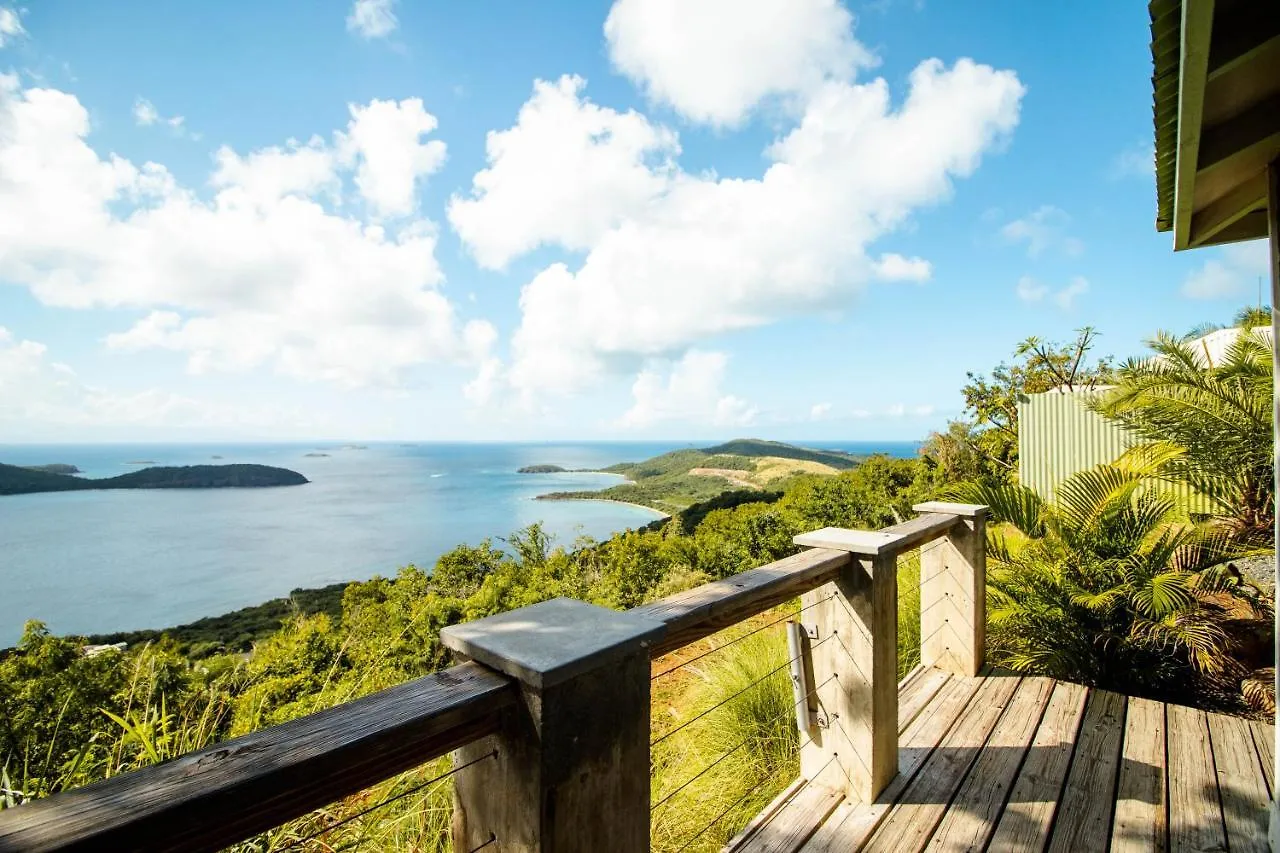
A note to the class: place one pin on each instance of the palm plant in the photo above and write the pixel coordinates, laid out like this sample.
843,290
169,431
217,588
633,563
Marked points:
1207,423
1109,585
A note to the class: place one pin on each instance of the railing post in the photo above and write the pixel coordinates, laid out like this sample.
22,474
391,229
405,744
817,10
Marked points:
571,770
953,592
854,748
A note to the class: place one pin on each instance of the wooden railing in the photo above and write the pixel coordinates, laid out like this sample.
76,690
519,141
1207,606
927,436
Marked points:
557,695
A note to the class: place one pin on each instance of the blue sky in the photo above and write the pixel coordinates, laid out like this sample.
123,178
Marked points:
506,220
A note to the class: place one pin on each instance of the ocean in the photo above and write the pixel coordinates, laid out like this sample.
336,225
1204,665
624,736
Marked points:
101,561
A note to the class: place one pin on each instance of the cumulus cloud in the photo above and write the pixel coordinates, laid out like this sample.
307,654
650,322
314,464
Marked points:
1233,274
690,392
263,274
681,257
564,174
145,114
1029,289
10,25
713,61
1044,229
819,411
372,19
384,140
1136,161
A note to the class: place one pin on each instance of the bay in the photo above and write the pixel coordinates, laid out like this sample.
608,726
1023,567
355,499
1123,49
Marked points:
101,561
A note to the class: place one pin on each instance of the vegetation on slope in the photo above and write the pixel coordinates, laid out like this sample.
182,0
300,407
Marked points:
15,480
677,480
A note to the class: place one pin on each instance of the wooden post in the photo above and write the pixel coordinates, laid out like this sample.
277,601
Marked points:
571,770
854,748
953,592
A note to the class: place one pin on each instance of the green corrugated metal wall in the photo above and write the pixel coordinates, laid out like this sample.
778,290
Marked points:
1058,436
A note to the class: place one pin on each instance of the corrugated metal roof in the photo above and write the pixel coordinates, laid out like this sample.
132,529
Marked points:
1166,53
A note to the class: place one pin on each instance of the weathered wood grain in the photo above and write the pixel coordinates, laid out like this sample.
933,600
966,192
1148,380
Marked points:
1240,784
849,828
1088,800
702,611
1028,815
793,824
212,798
1264,738
1195,812
953,598
971,817
924,802
1141,821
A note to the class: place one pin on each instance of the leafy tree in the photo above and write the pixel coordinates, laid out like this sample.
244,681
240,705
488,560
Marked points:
987,445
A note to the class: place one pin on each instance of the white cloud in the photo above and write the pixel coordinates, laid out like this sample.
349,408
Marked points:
145,114
713,61
263,274
1067,296
819,411
372,19
1136,161
566,173
690,392
385,139
10,25
894,267
1044,229
706,255
1232,275
1029,289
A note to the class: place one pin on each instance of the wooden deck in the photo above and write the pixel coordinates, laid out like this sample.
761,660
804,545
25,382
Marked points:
1006,763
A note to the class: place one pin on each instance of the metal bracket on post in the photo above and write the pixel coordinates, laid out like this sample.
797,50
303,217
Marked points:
798,637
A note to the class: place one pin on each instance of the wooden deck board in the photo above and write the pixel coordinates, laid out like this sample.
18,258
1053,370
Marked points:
1140,822
1240,784
1195,813
924,802
1006,764
970,818
1088,800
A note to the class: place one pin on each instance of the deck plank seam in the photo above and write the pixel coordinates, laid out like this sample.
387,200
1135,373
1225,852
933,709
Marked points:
1013,780
1168,804
1217,786
1071,762
1115,780
1263,762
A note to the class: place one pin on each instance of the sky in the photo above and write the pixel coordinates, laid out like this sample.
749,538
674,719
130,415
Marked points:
420,220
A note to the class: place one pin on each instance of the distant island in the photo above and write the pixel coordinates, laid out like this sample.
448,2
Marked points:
15,480
315,455
542,469
674,481
54,468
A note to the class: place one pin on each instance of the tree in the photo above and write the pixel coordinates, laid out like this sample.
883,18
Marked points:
987,445
1206,424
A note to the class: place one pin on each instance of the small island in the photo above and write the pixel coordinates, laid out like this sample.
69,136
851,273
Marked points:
542,469
55,468
22,481
316,455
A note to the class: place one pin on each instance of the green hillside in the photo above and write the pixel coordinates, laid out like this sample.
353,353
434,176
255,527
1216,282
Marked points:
676,480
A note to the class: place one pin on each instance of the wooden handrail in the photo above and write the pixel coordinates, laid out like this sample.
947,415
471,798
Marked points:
233,790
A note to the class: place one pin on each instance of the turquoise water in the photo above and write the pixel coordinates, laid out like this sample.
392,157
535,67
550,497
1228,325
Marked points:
95,562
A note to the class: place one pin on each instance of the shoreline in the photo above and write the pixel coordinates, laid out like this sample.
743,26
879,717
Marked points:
551,496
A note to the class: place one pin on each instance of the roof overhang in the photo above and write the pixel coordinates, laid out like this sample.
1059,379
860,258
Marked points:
1216,88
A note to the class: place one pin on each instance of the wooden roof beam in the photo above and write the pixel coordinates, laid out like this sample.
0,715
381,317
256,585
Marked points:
1193,70
1217,217
1257,126
1242,35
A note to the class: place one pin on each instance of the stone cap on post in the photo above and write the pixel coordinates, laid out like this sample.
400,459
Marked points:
553,641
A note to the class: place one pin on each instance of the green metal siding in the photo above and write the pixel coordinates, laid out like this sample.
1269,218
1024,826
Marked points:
1058,436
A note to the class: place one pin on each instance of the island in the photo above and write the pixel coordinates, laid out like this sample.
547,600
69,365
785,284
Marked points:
15,480
55,468
316,455
542,469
